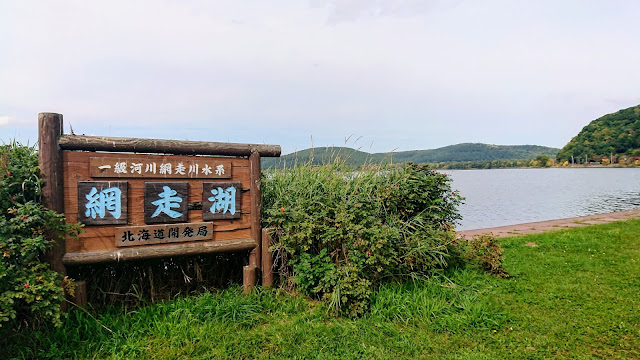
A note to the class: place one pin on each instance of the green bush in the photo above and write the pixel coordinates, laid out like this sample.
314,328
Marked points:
341,232
29,290
485,251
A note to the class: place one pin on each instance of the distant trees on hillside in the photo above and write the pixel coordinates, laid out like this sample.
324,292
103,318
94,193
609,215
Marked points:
613,134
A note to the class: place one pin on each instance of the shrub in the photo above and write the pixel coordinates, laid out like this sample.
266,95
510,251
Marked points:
342,231
485,252
29,289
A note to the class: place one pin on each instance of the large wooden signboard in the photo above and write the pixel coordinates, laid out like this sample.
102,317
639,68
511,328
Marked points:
149,198
151,201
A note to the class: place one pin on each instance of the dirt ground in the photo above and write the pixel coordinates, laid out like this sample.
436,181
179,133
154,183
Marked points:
542,226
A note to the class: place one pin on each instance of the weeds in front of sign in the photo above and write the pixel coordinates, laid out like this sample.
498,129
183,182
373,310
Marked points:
131,284
30,292
341,232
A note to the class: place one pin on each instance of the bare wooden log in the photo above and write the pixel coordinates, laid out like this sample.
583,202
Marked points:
267,260
178,147
149,252
80,296
256,207
50,163
249,278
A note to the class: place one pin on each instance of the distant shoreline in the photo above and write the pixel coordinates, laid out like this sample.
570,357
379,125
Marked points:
552,225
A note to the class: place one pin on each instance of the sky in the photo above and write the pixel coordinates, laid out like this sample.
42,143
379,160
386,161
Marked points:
378,75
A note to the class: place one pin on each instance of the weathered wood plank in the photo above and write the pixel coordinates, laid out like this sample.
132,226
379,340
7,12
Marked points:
84,157
221,200
267,260
192,168
163,234
135,191
256,207
249,278
103,239
136,210
102,202
50,127
121,144
157,251
165,202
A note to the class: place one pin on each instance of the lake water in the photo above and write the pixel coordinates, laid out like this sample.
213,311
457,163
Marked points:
501,197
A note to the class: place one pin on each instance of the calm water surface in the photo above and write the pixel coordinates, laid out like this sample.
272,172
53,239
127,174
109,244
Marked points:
513,196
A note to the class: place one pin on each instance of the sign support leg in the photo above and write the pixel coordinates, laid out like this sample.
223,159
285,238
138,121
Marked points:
50,128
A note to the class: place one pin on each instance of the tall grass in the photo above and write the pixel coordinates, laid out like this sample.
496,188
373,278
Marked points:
341,231
575,295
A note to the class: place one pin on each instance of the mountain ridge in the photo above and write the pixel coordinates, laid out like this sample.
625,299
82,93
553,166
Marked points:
451,153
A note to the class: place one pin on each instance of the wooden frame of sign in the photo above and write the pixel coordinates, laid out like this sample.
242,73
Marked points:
104,181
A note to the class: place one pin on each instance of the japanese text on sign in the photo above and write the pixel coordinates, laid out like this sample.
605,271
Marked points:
102,202
161,234
200,168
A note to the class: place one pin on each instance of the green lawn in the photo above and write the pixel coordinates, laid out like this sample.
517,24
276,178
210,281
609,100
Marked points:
574,295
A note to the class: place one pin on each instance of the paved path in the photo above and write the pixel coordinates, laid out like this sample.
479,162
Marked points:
542,226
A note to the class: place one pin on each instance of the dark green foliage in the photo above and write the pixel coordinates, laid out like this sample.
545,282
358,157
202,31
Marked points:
474,152
477,153
131,284
29,290
493,164
485,252
617,133
542,161
341,232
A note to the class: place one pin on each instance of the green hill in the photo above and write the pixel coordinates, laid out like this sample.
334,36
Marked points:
452,153
617,134
474,152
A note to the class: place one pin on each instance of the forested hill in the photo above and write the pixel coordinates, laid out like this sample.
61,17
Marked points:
453,153
617,134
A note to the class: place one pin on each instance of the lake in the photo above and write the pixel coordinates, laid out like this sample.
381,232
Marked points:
501,197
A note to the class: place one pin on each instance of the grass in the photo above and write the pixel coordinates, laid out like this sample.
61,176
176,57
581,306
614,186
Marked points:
575,295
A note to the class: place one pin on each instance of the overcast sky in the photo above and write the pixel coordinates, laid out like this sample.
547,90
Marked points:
400,74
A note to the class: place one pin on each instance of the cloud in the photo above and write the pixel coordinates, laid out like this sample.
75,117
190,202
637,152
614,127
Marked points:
352,10
404,73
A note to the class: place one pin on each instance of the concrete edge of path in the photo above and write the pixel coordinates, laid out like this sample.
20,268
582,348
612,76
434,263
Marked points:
551,225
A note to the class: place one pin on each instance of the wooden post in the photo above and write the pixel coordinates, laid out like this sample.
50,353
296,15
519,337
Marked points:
80,297
256,209
267,260
249,278
50,127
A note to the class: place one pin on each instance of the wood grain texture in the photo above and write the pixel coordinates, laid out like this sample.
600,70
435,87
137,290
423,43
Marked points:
162,234
249,278
157,251
267,260
256,206
101,237
50,161
121,144
106,241
100,204
221,200
165,202
168,168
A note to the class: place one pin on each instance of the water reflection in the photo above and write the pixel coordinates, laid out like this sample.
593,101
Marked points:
513,196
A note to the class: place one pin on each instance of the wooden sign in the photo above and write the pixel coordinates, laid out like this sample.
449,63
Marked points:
102,202
196,168
134,216
162,234
221,200
165,202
